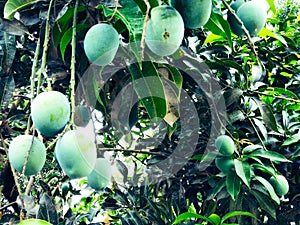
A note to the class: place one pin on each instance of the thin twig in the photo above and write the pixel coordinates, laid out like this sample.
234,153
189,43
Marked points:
45,50
144,28
275,96
136,151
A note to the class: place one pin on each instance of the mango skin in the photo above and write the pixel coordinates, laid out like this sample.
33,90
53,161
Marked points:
234,25
165,30
100,177
101,43
18,151
50,112
195,13
280,184
225,145
225,164
253,16
76,153
82,115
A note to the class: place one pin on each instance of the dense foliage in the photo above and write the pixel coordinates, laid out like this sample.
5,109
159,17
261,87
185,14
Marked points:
155,119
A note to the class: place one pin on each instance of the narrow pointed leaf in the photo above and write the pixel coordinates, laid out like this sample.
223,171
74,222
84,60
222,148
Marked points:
269,188
150,89
242,169
233,184
273,156
13,6
236,213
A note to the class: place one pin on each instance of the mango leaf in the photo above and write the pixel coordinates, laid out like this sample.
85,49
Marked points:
250,148
188,215
268,115
130,14
273,156
272,5
295,138
269,188
219,26
47,210
7,87
265,32
264,168
13,6
233,184
242,169
236,213
150,89
215,218
265,203
67,37
62,24
13,27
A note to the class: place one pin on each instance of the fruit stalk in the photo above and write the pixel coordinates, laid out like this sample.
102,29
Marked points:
73,62
32,79
45,50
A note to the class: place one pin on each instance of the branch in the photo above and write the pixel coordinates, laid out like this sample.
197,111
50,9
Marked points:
73,62
144,28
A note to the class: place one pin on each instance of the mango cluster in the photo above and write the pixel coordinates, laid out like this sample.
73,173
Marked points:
75,151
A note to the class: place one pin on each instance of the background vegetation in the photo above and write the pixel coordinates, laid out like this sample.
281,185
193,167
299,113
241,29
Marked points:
258,79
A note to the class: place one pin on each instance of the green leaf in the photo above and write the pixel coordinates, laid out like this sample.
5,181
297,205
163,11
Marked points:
150,89
250,148
295,138
264,33
215,218
233,184
47,210
272,5
236,213
268,115
219,26
273,156
265,203
242,169
13,6
269,188
130,14
188,215
67,37
264,168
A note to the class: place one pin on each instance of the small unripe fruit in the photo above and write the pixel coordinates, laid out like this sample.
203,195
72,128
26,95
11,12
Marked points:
225,145
280,184
50,112
195,13
18,152
225,164
76,153
234,25
82,116
165,30
34,222
253,16
101,43
100,177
